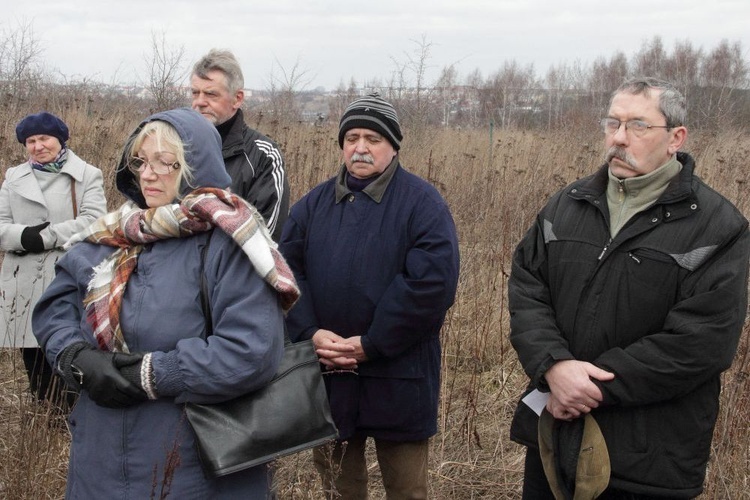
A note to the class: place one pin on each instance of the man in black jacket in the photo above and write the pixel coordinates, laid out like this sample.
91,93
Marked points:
253,161
627,300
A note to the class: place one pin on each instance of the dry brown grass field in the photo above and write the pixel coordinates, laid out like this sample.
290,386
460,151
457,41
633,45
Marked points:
494,187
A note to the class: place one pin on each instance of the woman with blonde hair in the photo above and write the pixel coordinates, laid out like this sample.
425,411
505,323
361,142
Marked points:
123,319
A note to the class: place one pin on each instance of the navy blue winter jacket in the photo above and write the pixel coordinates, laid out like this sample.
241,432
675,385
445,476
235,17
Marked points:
384,270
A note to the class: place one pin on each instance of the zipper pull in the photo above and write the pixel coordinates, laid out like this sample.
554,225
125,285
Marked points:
634,258
604,250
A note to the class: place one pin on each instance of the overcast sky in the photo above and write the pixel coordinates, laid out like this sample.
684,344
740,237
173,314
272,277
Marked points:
334,41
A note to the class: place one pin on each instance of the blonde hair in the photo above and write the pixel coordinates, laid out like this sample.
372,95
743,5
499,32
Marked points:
167,139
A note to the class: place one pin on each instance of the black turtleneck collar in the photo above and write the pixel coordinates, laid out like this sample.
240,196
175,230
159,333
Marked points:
225,127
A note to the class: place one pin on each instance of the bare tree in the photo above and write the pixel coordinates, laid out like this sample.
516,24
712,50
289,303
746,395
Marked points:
418,63
285,87
343,96
683,67
446,89
556,81
605,77
651,59
408,85
397,83
509,92
474,84
20,66
165,73
723,73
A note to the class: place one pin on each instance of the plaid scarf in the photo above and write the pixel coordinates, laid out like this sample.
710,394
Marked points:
130,228
55,165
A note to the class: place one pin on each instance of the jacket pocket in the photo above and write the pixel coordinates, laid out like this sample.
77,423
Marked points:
650,283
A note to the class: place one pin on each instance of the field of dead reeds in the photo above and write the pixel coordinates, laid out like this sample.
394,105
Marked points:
494,185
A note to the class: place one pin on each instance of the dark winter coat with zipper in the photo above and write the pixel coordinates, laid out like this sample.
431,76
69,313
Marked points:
661,305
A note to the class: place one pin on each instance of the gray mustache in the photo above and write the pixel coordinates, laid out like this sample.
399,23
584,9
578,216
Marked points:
620,154
362,158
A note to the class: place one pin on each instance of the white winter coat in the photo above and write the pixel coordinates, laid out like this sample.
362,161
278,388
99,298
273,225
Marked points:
23,202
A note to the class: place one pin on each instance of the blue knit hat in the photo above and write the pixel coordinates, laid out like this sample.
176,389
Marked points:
373,113
42,124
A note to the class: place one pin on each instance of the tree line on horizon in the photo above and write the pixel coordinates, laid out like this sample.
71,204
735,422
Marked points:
715,82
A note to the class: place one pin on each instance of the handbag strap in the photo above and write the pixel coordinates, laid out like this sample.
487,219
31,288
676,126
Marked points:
73,197
204,291
204,296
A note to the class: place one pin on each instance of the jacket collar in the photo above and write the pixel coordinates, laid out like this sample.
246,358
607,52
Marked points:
234,142
27,186
647,188
74,167
376,190
679,188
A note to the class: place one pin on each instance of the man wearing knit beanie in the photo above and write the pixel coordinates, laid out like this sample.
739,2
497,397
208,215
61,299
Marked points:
372,112
375,250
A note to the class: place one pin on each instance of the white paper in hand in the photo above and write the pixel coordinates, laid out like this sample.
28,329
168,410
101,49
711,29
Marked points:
536,400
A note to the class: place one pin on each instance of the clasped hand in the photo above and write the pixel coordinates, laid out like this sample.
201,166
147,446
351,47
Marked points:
102,378
337,352
572,390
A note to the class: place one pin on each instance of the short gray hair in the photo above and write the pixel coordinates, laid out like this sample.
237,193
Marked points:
221,60
671,101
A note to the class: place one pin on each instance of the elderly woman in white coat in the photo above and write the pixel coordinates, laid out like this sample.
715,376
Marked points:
43,202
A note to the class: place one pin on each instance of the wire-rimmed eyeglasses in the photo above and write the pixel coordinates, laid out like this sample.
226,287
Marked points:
638,128
159,166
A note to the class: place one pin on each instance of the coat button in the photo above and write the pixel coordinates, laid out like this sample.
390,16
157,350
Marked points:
654,220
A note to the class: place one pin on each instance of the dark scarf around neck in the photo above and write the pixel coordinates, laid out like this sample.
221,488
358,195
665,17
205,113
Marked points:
55,165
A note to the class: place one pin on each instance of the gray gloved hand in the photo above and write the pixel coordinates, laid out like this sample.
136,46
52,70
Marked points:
98,372
31,240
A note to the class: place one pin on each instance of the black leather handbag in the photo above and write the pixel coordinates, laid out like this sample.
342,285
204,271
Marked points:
289,415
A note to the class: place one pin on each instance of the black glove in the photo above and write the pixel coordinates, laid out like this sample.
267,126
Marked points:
98,372
31,240
132,373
